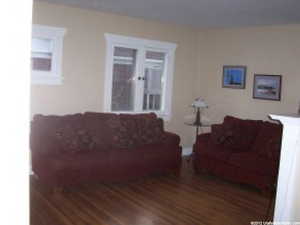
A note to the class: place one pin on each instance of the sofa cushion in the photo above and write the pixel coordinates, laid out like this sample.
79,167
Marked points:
268,141
77,168
239,134
81,161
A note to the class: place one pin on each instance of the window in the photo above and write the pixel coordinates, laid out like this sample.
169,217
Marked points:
139,75
46,55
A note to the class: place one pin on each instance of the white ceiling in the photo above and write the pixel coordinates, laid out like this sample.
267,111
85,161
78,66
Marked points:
200,13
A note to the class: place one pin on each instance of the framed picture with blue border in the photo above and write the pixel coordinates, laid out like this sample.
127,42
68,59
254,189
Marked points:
234,77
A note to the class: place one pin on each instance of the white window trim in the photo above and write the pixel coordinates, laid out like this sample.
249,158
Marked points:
53,77
112,41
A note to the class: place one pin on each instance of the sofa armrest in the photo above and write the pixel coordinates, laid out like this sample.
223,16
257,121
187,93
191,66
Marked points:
171,139
43,163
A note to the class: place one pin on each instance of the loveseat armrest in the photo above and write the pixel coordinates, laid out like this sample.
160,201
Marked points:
203,138
201,142
171,139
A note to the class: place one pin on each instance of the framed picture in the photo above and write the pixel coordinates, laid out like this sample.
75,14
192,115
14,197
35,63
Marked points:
267,87
234,77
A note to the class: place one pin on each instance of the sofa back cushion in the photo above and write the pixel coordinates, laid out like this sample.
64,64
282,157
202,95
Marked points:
237,134
122,133
99,116
94,131
126,131
70,134
151,131
98,124
57,134
142,129
268,141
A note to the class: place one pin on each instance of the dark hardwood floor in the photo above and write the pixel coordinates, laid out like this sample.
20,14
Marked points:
158,200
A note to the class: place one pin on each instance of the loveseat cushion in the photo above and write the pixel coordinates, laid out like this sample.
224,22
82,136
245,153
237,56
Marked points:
268,141
207,149
79,161
252,162
238,134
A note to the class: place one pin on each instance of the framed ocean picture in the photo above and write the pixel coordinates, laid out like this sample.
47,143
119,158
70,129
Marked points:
234,77
267,87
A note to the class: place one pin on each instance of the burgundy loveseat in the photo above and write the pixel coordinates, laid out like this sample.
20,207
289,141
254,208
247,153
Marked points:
243,151
101,147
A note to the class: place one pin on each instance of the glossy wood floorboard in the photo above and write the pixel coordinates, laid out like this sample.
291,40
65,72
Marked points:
189,199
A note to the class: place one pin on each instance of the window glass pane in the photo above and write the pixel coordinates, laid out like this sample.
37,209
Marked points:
41,54
41,63
153,85
41,45
123,73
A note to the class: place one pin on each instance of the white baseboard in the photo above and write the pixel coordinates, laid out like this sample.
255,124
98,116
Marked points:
187,151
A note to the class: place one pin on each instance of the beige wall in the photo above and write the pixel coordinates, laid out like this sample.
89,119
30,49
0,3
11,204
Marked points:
198,66
84,61
264,50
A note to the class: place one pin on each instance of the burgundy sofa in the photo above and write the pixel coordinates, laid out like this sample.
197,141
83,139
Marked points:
243,151
101,147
